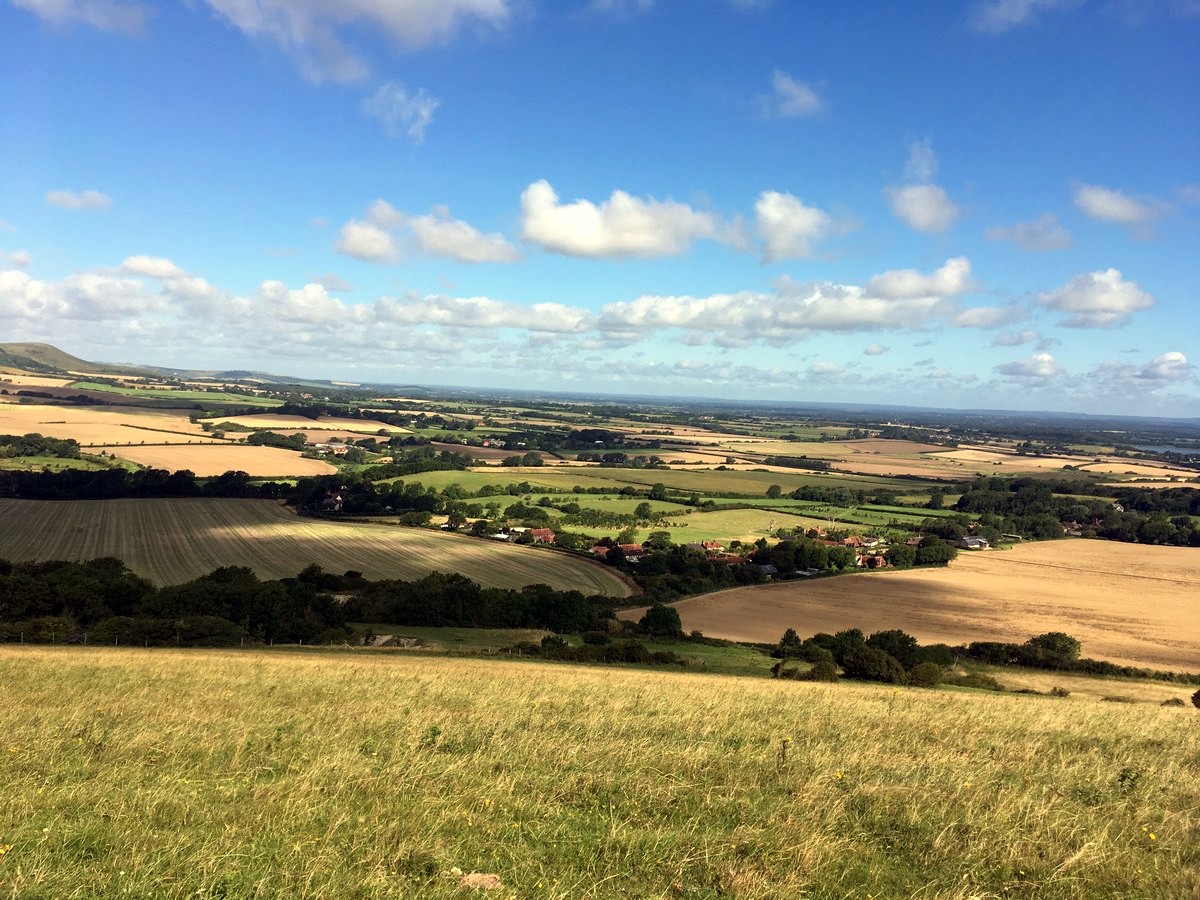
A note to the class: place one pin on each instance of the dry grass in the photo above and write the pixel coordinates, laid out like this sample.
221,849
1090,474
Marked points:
170,541
171,774
290,424
1126,602
225,456
96,426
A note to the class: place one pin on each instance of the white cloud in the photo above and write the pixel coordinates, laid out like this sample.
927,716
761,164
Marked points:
1097,300
151,266
1109,205
21,259
436,234
954,277
988,316
875,349
621,226
1020,338
367,241
922,162
1040,365
999,16
81,200
441,235
402,112
797,310
1043,234
105,15
621,7
789,228
793,99
332,282
311,30
1170,366
923,207
483,312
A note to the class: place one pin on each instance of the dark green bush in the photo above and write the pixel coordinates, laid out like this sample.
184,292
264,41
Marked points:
869,664
926,674
975,680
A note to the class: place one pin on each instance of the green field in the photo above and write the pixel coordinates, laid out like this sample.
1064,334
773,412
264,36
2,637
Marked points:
170,541
51,463
325,774
217,397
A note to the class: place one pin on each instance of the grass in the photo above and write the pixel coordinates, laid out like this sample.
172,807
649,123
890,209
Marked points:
170,541
50,463
210,397
360,774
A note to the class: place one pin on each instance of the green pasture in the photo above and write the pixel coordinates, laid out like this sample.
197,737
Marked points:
48,463
166,394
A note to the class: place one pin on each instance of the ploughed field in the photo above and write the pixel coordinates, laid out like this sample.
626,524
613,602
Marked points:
167,773
1129,603
171,541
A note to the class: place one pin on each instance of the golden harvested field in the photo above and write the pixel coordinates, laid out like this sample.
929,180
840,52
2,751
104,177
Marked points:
170,541
224,456
34,381
1012,462
100,425
1127,603
291,424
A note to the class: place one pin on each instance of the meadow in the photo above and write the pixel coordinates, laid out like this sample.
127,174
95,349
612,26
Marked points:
1128,603
325,774
171,541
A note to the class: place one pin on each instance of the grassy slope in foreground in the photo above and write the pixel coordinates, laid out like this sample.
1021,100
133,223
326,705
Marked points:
1129,603
174,773
171,541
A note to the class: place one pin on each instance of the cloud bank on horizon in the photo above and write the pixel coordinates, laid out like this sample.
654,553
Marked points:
754,200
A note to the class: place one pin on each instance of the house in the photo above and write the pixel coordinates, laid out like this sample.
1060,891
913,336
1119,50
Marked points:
542,535
874,562
712,546
768,570
853,541
974,543
873,542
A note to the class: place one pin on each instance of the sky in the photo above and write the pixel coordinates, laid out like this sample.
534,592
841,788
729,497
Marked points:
990,204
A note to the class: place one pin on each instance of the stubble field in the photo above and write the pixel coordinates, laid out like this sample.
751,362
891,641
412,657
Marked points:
162,773
1128,603
171,541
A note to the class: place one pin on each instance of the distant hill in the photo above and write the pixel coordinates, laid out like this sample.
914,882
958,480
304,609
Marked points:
46,358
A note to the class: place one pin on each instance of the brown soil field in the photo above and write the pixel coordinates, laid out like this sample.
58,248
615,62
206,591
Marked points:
215,459
100,425
1132,604
1153,484
291,424
171,541
1140,468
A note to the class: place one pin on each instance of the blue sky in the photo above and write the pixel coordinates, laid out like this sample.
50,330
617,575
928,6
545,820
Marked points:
979,204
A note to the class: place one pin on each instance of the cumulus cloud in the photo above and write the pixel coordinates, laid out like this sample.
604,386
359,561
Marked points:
952,278
988,316
787,227
105,15
151,266
20,259
922,162
1020,338
311,31
1041,235
1040,365
1170,366
402,112
1109,205
81,200
483,312
791,99
999,16
891,301
1097,300
332,282
368,242
621,226
439,234
923,207
378,237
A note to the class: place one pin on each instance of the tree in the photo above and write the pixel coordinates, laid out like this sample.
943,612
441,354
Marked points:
899,645
1057,643
789,646
774,492
868,664
658,491
643,511
661,621
1196,699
